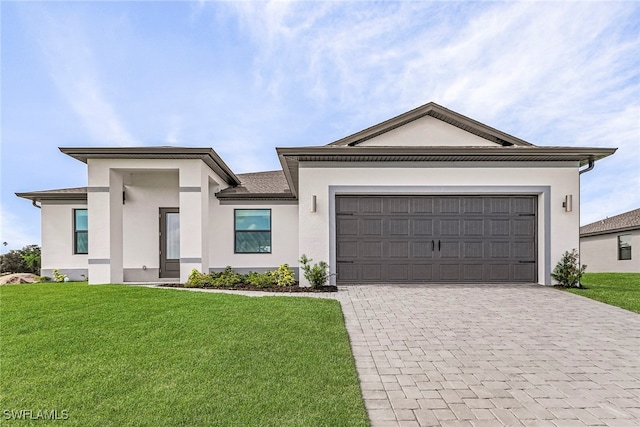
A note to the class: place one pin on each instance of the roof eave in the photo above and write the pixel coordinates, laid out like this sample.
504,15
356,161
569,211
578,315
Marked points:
207,155
37,197
256,196
612,231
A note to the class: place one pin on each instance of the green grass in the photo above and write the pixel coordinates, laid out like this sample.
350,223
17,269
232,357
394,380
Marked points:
114,355
619,289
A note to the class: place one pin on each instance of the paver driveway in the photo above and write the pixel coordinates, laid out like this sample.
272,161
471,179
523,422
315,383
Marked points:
492,355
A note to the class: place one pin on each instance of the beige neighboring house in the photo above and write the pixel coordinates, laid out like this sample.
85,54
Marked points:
612,245
429,196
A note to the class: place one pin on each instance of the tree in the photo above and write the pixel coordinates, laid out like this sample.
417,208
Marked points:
25,260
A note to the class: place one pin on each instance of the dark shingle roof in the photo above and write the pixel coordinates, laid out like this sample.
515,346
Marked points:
259,185
625,221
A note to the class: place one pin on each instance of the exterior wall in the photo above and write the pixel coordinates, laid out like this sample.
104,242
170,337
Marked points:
600,253
120,234
57,241
427,131
284,238
557,229
146,192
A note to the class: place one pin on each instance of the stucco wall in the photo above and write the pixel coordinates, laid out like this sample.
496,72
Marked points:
284,237
57,241
146,192
600,253
557,229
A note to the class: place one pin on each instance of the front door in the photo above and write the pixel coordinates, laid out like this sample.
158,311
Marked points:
169,242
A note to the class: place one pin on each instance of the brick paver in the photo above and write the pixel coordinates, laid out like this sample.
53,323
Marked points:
492,355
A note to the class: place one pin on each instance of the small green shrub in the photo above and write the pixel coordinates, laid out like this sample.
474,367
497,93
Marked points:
57,276
284,276
318,274
568,272
260,280
196,279
227,278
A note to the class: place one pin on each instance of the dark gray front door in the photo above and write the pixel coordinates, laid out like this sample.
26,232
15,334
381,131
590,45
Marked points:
436,239
169,242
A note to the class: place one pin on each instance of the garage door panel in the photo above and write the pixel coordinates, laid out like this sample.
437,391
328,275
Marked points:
499,272
524,272
371,272
421,249
500,227
348,272
433,239
347,249
398,205
471,272
398,227
473,227
449,272
449,227
473,250
449,249
370,249
422,205
472,205
370,205
371,227
398,272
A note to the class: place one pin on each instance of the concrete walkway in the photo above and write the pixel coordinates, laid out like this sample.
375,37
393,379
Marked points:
492,356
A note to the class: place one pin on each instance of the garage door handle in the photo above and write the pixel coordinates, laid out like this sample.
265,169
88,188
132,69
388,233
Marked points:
438,245
433,245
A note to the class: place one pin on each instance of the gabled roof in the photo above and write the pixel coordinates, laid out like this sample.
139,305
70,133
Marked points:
624,222
507,147
76,193
207,155
271,185
439,112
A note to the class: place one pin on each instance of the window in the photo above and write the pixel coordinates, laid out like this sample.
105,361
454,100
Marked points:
624,247
253,231
80,232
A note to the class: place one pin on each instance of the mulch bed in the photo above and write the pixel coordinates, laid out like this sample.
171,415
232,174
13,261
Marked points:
244,287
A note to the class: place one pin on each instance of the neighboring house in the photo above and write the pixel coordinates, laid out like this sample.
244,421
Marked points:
612,244
429,196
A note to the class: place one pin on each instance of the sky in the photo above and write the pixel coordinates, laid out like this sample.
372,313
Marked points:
246,77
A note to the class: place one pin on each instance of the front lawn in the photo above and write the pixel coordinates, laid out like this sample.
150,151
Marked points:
115,355
619,289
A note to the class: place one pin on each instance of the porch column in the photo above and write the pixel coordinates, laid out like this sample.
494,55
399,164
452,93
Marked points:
194,219
104,203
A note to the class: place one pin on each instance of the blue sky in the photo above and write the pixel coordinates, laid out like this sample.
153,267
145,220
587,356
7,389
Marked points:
245,77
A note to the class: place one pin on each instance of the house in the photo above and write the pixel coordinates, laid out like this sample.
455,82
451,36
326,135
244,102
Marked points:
608,245
429,196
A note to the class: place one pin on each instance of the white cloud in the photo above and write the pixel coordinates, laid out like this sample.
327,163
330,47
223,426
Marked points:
71,61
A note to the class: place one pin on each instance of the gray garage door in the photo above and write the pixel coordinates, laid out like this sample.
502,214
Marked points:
436,239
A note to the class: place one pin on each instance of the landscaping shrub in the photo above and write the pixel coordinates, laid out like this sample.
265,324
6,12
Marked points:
57,276
196,279
260,280
284,276
318,274
568,272
227,278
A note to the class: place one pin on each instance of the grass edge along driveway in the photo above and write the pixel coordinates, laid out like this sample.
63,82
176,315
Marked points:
121,355
619,289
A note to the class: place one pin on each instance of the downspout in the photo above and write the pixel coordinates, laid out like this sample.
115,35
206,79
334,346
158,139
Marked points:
592,163
33,202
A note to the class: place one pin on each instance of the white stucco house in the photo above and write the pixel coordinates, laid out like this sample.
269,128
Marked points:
429,196
607,246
